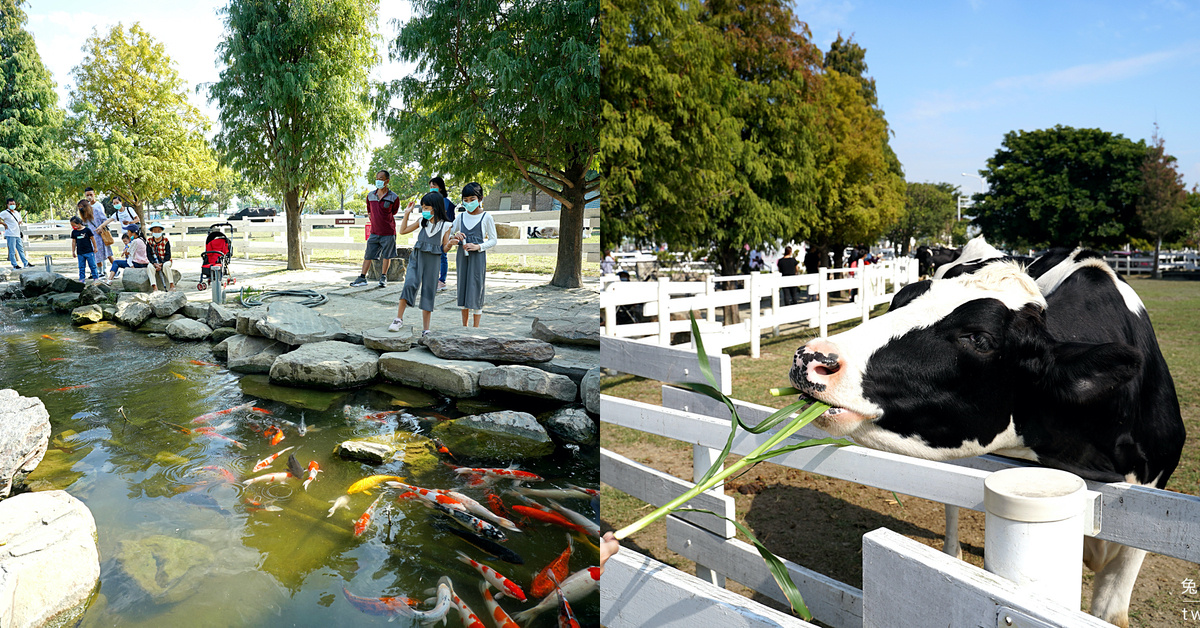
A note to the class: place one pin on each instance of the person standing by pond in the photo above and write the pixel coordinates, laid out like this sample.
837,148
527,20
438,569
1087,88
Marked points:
382,205
437,184
97,221
13,227
129,218
82,244
474,232
158,252
426,258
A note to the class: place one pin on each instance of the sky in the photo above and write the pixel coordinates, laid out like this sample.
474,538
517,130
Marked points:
190,30
954,77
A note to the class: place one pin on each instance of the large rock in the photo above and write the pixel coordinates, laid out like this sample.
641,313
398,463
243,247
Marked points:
109,312
67,284
365,451
463,347
220,316
155,325
221,333
166,303
568,332
526,380
251,354
165,568
589,390
11,290
195,311
24,436
49,562
508,435
94,293
296,324
247,321
380,339
331,364
64,301
572,425
132,311
86,315
574,361
396,269
37,282
188,329
221,349
419,367
417,453
259,386
137,280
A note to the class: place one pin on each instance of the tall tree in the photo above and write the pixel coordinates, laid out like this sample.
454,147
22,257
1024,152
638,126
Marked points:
928,216
1061,187
1162,205
506,87
293,95
848,58
131,124
31,157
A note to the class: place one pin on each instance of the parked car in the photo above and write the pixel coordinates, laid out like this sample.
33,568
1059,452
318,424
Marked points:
254,214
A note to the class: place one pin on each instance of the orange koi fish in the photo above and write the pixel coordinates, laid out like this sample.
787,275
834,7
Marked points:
57,359
543,585
274,435
381,606
566,617
548,516
491,475
222,471
498,615
360,526
178,375
209,431
294,471
495,578
442,449
212,415
262,411
313,470
578,586
47,337
254,506
199,363
66,388
266,462
469,618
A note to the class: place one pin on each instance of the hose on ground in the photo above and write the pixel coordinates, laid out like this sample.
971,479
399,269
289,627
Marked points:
309,298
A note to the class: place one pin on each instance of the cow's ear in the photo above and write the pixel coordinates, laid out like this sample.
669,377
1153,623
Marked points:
1083,373
908,293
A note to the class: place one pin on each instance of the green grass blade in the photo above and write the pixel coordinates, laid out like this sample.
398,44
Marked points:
778,570
812,442
701,355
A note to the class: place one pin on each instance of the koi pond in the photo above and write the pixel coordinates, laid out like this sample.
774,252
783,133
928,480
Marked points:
184,541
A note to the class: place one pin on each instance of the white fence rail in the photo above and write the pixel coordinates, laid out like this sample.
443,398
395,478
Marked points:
1167,260
875,284
314,235
904,582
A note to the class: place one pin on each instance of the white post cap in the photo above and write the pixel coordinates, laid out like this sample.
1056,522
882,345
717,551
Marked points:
1033,494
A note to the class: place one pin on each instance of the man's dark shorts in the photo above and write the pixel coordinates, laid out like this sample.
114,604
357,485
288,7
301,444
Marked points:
380,247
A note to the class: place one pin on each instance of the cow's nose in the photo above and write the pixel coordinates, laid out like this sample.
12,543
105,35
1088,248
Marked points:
817,365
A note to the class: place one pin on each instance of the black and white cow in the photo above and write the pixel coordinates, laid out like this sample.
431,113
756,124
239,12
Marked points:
1057,364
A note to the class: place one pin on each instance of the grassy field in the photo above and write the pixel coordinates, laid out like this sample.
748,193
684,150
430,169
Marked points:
785,506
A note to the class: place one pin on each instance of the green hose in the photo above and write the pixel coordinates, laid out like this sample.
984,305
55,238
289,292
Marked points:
311,298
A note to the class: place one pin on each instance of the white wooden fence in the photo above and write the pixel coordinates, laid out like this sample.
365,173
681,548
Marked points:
43,238
905,583
876,284
1167,260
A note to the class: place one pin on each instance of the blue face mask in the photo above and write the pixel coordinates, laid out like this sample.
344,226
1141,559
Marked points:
379,183
433,189
116,206
427,215
471,205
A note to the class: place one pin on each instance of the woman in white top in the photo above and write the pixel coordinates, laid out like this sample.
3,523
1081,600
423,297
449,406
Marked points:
128,217
426,260
474,233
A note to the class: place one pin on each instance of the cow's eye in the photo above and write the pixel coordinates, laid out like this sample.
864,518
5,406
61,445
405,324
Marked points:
981,343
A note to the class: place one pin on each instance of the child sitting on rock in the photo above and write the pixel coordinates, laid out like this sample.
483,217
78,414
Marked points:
425,262
134,255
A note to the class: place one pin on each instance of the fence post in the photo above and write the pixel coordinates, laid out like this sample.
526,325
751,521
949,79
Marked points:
864,292
822,301
710,290
702,459
664,313
775,304
755,309
1031,530
951,545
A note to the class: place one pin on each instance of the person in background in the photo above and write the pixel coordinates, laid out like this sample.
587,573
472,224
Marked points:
98,221
437,184
787,267
128,217
608,264
82,244
426,258
158,252
382,205
474,231
12,226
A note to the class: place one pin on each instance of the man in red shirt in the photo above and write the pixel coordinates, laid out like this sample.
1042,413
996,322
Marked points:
382,205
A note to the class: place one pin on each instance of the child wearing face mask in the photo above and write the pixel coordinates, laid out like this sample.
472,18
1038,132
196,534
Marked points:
437,184
158,252
426,258
129,218
474,231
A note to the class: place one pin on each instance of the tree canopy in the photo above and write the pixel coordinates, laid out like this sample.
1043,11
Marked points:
505,89
31,155
293,95
929,214
1162,205
1061,187
131,125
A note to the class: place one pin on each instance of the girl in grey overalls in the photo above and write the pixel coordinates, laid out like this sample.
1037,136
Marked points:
425,262
473,241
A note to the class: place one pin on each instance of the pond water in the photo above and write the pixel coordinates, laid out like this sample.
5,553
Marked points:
181,545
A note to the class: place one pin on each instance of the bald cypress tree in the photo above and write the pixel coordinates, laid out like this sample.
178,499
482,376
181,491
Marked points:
31,156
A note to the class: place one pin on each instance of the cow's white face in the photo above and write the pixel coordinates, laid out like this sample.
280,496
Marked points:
941,374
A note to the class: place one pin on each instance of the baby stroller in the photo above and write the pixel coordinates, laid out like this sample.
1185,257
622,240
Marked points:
218,250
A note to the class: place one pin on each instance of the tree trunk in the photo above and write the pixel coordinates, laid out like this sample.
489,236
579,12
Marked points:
291,207
568,270
1154,274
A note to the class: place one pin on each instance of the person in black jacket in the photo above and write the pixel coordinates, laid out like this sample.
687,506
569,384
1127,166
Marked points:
787,267
437,184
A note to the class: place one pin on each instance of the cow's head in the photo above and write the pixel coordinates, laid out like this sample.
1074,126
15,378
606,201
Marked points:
941,374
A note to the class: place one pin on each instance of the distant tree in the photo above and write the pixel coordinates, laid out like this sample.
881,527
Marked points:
1062,187
1162,206
132,128
506,86
32,158
929,214
293,95
848,58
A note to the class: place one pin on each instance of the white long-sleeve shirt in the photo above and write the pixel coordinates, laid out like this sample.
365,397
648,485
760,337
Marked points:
464,221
